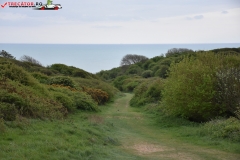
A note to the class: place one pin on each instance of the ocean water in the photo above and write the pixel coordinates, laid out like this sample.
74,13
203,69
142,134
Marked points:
96,57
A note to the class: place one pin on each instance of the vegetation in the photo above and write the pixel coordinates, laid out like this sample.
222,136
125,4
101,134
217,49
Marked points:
29,59
203,87
132,59
26,92
6,55
54,108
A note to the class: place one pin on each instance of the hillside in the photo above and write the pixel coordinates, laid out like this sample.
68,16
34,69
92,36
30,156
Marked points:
31,90
184,103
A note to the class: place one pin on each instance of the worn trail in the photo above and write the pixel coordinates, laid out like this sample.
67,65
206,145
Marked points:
141,139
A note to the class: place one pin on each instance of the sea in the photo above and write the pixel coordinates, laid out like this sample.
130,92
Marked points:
96,57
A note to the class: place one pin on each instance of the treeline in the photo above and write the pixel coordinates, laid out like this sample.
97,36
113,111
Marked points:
28,89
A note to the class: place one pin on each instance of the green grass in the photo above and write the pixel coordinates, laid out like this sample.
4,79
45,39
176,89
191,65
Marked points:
117,132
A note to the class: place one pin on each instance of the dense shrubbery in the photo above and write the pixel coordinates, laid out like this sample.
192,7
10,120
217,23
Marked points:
26,101
71,71
96,84
98,95
222,128
42,78
193,90
73,99
147,74
127,83
148,92
61,80
26,91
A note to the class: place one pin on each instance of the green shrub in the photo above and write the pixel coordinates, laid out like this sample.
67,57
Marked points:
74,99
80,73
2,125
191,89
65,100
222,128
42,78
118,82
96,84
166,62
149,91
8,111
61,80
15,73
85,102
151,65
27,101
147,74
98,95
129,87
162,71
134,69
146,64
228,89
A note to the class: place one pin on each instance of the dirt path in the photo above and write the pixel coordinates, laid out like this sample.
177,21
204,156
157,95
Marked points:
138,137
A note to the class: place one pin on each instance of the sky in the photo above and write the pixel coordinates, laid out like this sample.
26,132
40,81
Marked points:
124,22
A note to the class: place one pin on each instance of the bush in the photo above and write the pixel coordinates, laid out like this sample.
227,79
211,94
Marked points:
65,100
134,69
42,78
85,102
147,74
74,99
8,111
162,71
65,81
118,82
26,101
222,128
98,95
149,91
15,73
191,89
2,125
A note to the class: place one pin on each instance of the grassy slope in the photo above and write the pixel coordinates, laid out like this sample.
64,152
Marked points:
118,132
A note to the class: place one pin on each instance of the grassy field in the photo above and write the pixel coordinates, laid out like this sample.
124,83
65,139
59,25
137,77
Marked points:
118,132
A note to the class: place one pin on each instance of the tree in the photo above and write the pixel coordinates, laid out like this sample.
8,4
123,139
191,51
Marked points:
6,55
177,51
30,60
132,59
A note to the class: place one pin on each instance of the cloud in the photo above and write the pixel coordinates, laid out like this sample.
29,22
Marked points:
224,12
12,16
198,17
106,27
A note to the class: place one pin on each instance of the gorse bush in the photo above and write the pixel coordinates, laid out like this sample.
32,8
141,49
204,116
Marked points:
73,99
25,101
193,87
98,95
61,80
15,73
96,84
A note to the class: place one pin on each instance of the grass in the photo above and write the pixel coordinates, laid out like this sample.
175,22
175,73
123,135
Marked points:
117,132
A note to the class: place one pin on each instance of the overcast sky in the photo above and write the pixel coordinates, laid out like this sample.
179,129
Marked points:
124,22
